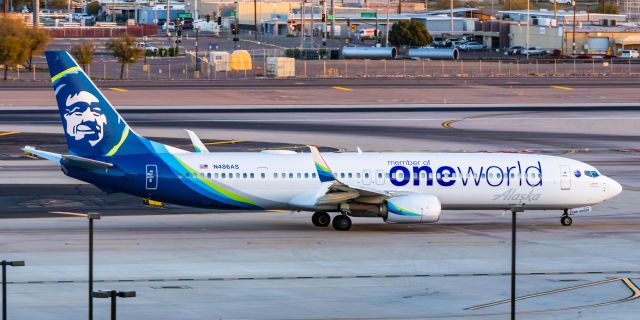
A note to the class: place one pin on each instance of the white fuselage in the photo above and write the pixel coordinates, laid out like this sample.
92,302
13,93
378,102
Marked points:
458,180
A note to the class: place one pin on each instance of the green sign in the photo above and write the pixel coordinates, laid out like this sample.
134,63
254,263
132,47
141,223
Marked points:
233,13
368,14
332,17
185,15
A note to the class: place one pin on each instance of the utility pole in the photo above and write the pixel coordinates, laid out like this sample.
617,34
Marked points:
255,19
168,16
574,27
36,13
399,6
324,23
451,14
555,11
528,24
302,24
333,21
386,28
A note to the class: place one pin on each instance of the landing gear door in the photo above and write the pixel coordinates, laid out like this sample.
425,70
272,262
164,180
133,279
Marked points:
565,178
152,176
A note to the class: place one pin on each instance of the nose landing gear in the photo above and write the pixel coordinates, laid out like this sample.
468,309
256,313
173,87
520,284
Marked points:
566,220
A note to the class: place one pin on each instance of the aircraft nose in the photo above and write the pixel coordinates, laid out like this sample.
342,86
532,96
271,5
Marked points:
613,188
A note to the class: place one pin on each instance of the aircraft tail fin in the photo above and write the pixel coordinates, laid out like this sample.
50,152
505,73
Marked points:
92,125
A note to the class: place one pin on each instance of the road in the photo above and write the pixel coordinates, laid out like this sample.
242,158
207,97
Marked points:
197,264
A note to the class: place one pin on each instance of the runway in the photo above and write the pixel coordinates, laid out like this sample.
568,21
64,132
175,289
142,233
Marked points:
190,264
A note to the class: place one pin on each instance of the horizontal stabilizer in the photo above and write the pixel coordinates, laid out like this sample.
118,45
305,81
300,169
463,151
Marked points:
35,153
67,160
80,162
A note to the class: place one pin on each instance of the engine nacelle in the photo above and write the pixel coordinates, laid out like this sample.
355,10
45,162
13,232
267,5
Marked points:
418,208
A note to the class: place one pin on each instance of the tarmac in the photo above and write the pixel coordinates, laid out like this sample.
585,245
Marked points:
197,264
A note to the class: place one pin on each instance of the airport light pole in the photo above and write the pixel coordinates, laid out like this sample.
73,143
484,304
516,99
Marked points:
90,216
4,283
113,294
514,211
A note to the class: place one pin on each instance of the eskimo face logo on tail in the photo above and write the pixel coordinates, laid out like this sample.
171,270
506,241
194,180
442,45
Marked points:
84,120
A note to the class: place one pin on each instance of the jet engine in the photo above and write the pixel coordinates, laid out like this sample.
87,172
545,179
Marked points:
418,208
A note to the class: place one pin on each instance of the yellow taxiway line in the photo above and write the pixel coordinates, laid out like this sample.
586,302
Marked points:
75,214
8,133
561,88
634,290
342,88
223,142
119,89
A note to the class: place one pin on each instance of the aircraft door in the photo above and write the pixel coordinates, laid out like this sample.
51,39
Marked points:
565,177
366,177
152,176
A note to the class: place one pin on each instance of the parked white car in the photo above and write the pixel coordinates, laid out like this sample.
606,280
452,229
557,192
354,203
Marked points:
629,54
561,1
146,47
534,51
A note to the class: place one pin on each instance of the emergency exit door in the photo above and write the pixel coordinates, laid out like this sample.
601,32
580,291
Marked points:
565,178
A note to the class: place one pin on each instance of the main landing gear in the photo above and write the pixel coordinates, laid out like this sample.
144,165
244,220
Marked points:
566,220
321,219
342,222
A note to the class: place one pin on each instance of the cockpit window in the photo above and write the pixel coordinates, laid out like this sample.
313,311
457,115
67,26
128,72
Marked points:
593,174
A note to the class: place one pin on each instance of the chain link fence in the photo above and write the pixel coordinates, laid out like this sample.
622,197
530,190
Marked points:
184,67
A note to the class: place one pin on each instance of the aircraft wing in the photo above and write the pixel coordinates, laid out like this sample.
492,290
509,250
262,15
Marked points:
339,191
197,143
68,160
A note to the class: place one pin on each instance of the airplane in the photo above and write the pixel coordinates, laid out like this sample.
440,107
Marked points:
397,187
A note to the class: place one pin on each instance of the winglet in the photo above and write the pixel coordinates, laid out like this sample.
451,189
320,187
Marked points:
32,152
324,172
197,144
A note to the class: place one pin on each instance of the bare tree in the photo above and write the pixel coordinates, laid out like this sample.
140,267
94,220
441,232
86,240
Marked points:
124,49
13,43
84,54
37,41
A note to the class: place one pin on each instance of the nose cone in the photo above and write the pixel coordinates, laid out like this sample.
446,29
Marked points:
613,188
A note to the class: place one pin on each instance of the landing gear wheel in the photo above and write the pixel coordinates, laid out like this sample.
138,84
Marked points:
321,219
341,222
566,220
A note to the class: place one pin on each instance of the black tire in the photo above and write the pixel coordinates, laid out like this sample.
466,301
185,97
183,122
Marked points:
321,219
341,223
566,221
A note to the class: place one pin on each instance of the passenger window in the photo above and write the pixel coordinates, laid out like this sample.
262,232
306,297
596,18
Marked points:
244,176
283,175
358,175
393,175
187,175
423,175
251,175
438,175
179,176
491,175
299,175
230,175
224,175
275,175
215,175
379,175
208,175
313,175
306,175
366,175
263,175
350,175
237,175
342,175
290,175
513,176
